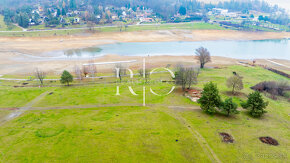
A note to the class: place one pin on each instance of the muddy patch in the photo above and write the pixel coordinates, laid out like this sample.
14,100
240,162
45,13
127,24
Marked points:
227,138
269,140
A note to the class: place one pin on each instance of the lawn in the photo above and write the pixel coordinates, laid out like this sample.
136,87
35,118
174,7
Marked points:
18,97
115,134
170,129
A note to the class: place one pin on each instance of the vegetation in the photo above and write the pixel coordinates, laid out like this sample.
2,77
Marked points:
166,129
186,76
66,77
235,83
203,56
273,88
255,104
229,107
40,75
210,99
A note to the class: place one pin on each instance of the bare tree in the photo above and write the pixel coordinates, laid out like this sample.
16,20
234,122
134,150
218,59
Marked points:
92,69
85,71
191,76
120,70
203,55
91,26
40,75
147,74
235,83
186,76
78,72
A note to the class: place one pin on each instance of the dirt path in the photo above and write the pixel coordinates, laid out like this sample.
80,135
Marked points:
202,142
17,113
276,63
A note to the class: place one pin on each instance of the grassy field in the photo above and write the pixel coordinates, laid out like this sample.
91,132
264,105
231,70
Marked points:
188,26
170,129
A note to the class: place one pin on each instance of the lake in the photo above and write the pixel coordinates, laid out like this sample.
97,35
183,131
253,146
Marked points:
266,49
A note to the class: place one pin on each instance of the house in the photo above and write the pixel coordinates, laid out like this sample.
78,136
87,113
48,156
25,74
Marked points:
219,11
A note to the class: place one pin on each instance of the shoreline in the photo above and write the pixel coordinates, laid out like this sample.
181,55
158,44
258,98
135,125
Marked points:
46,44
10,48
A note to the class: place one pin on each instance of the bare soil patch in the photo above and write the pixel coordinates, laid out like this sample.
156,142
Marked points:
227,138
269,140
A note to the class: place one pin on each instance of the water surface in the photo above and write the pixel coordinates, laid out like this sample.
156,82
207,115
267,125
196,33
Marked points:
267,49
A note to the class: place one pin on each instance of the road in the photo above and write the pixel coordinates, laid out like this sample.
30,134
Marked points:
97,27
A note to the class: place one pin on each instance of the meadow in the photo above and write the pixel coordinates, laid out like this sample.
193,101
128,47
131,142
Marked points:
91,124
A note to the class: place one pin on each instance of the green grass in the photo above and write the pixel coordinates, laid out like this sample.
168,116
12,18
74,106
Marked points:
123,134
140,134
17,97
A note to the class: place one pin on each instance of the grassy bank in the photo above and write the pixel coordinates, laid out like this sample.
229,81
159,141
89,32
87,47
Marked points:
64,32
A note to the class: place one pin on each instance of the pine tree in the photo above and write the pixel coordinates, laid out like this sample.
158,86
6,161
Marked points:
255,104
229,107
210,99
66,77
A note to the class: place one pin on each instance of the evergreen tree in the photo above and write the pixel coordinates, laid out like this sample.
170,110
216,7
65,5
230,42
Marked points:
66,77
210,99
72,4
229,107
255,104
63,12
58,12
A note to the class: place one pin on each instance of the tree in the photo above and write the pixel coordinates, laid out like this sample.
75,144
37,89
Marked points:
182,10
147,74
40,75
255,104
229,107
78,72
210,99
203,55
186,76
66,77
63,12
235,83
120,71
72,4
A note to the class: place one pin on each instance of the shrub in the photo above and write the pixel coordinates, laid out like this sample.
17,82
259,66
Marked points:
255,104
273,87
210,98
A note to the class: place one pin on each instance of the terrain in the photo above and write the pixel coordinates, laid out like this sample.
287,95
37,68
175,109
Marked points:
89,123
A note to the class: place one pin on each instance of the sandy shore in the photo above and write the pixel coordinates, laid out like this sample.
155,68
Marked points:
12,60
44,44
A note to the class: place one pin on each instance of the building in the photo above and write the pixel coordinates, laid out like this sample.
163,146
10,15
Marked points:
219,11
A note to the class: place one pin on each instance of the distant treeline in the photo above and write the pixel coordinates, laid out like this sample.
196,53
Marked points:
19,11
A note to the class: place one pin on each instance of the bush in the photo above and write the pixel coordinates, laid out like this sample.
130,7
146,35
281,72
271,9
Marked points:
229,107
255,104
273,87
210,99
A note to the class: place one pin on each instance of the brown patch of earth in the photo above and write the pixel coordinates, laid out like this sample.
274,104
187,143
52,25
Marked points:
269,140
227,138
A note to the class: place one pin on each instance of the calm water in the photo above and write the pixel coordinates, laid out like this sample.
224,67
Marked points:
268,49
